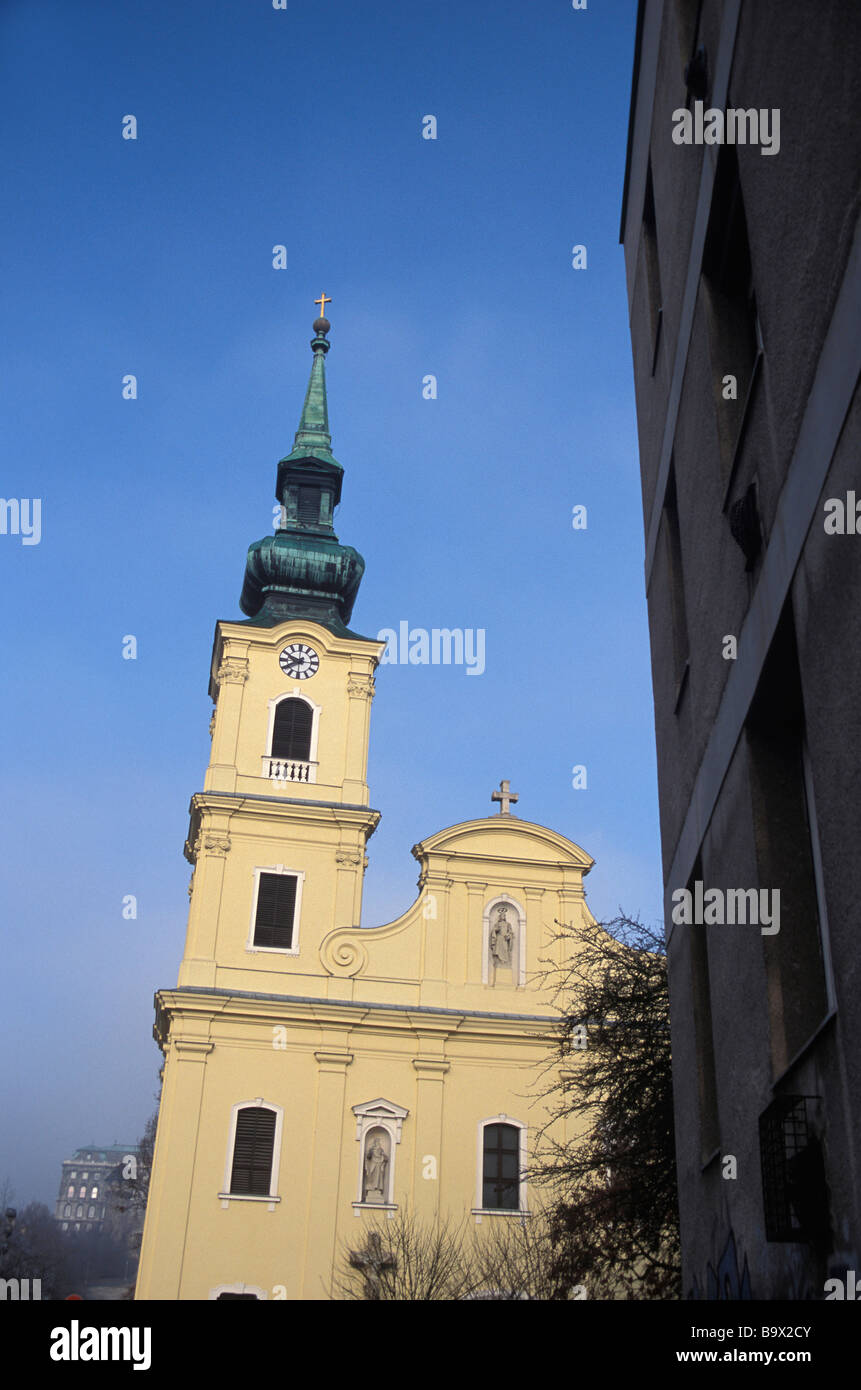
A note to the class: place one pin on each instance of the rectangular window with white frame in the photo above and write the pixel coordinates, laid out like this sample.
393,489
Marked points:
275,911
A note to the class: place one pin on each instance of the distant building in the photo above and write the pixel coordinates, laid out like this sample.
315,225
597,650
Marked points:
743,258
91,1196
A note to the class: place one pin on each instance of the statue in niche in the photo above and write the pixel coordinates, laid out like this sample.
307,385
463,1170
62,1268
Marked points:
501,938
376,1167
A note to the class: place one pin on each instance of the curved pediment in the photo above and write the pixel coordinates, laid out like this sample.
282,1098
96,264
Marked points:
505,838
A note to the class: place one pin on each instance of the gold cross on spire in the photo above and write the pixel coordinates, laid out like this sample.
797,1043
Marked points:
323,301
505,798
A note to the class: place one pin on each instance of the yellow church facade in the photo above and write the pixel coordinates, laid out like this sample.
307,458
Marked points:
320,1077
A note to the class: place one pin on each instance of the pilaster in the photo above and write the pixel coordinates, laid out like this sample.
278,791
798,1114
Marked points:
435,929
230,679
160,1274
430,1067
360,693
325,1195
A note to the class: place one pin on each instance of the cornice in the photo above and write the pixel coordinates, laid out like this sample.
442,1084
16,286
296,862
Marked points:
239,807
284,806
419,1021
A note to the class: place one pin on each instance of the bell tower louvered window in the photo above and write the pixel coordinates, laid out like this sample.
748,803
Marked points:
308,504
276,911
291,734
253,1149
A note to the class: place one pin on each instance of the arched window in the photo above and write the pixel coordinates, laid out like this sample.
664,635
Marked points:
94,1193
67,1209
79,1212
291,732
251,1169
91,1212
71,1191
501,1165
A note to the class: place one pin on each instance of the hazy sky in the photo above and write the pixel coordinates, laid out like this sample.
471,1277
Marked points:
452,256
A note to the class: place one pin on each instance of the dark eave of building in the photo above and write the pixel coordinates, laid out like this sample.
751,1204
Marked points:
638,43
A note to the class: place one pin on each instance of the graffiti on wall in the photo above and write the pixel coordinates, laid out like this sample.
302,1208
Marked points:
725,1280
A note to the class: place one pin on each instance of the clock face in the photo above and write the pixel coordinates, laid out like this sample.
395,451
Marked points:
299,661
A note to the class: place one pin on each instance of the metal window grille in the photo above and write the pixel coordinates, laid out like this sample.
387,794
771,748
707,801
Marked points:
795,1197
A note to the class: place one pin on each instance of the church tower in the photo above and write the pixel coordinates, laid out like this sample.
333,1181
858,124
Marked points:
320,1076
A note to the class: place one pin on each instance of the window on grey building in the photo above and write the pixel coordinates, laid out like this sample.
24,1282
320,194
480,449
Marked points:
253,1148
652,267
794,955
687,27
703,1030
730,307
678,616
276,910
796,1199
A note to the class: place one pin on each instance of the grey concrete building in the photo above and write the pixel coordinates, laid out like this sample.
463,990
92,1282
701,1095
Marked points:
743,262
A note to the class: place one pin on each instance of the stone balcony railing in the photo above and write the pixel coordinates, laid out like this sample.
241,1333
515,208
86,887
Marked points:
289,770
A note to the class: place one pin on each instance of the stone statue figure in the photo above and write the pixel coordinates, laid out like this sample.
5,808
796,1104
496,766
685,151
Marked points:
376,1167
501,938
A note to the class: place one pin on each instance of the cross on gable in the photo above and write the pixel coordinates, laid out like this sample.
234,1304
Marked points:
504,797
323,301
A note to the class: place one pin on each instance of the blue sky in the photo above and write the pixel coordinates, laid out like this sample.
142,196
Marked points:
453,257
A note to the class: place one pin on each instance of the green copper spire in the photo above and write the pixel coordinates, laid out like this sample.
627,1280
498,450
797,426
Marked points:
303,570
313,439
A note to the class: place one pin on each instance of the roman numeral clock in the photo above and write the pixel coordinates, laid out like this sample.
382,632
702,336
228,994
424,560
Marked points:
299,661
